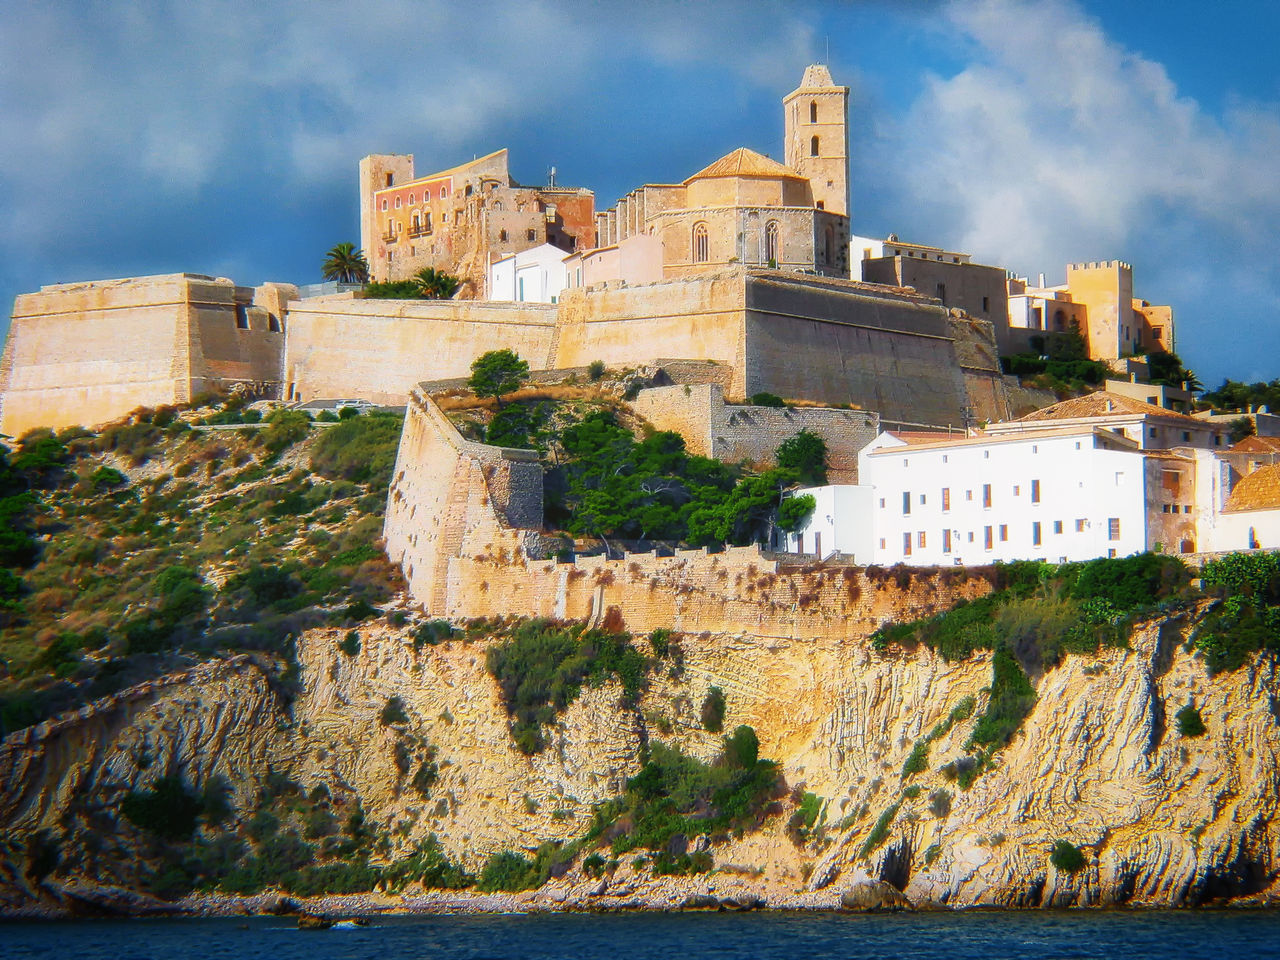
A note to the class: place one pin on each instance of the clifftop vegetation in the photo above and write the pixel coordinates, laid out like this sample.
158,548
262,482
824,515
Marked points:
150,545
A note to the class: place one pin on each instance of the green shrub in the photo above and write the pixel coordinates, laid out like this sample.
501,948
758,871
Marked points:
940,803
508,872
106,477
742,748
429,866
1012,697
880,831
541,669
1190,723
432,632
595,369
350,644
593,865
917,761
713,708
510,427
660,641
362,450
766,399
1067,857
166,808
393,713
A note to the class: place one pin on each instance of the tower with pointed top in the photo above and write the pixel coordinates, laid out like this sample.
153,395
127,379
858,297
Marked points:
817,137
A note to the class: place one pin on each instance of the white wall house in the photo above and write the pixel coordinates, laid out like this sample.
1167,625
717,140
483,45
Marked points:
1251,518
840,523
871,248
536,275
1054,496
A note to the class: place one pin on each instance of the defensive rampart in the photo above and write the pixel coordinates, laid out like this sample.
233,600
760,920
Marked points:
460,516
733,432
84,353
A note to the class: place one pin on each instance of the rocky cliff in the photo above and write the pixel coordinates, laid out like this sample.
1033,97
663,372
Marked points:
1160,818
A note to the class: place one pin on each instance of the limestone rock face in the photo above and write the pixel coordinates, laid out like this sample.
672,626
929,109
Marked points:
1099,762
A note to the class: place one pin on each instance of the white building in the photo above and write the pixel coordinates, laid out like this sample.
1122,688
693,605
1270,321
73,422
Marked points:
1055,496
840,523
536,275
1251,518
1149,426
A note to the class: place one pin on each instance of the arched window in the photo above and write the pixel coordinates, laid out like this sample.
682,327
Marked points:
497,204
701,248
813,147
397,203
413,198
813,111
416,225
273,323
771,243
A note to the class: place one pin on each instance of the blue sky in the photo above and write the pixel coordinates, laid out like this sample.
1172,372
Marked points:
223,136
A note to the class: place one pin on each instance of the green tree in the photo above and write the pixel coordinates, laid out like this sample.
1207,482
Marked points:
806,454
496,373
435,284
795,511
346,264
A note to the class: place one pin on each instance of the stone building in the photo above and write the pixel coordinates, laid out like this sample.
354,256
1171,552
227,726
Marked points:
461,219
746,208
950,276
1098,300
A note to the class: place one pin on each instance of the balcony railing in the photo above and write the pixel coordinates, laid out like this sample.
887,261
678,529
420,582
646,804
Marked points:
419,229
389,237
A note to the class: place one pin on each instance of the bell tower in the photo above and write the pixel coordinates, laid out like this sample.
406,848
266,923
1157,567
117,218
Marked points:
817,137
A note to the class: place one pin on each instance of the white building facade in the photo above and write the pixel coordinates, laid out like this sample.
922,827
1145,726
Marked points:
1056,497
536,275
841,522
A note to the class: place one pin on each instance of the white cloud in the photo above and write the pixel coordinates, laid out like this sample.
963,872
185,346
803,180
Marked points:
1056,143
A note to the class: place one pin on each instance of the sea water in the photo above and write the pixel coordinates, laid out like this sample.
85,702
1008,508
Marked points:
1030,935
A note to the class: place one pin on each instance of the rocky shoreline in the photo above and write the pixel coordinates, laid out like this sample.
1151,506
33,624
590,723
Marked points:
79,901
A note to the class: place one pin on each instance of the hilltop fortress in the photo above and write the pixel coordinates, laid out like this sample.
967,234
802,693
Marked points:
745,264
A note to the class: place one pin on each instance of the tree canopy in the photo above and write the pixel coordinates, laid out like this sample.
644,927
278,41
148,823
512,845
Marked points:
496,373
433,284
805,453
346,264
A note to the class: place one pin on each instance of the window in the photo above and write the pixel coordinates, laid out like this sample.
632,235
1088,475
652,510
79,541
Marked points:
986,538
942,293
273,323
390,179
813,111
771,243
1080,526
986,454
701,253
502,236
906,544
1035,534
986,304
413,198
1113,528
813,147
1035,491
946,499
1059,320
1186,436
920,539
946,540
427,223
531,234
1017,490
882,503
1152,433
384,203
1057,526
1111,553
242,317
882,543
922,500
828,244
968,494
397,203
906,503
1004,533
986,496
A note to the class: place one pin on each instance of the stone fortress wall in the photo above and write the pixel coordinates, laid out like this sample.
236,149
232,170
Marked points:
463,521
84,353
735,432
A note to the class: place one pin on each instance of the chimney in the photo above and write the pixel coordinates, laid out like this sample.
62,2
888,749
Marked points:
1042,279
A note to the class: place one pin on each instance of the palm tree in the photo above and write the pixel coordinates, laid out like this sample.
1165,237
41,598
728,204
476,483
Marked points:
435,284
346,264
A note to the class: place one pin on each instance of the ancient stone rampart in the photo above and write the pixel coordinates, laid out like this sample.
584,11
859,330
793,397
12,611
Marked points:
460,514
735,432
85,353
